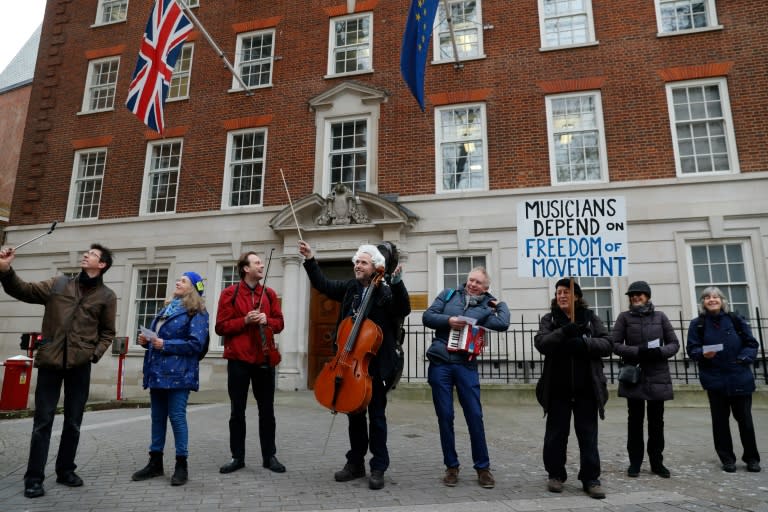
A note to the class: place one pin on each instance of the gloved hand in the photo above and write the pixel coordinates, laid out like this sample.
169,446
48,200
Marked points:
571,330
576,345
648,355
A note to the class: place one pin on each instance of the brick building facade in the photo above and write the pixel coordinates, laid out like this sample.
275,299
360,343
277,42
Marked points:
658,102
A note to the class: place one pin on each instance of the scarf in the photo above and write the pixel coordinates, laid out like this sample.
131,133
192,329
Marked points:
172,308
643,309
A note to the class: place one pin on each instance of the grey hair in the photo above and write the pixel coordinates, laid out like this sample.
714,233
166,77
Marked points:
376,257
483,271
712,290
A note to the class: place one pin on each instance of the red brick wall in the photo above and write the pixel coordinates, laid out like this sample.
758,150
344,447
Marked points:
627,61
13,114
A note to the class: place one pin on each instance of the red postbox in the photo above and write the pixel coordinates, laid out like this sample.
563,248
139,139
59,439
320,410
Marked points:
18,374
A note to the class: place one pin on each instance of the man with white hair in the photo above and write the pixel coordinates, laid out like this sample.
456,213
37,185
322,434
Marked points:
389,303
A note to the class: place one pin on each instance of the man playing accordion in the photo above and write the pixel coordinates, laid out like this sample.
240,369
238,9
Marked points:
459,318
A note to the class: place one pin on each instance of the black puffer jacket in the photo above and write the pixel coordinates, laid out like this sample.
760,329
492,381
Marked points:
632,330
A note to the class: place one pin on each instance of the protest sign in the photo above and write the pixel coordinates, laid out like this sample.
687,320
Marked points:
581,237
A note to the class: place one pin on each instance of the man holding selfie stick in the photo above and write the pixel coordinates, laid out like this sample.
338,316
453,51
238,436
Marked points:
78,327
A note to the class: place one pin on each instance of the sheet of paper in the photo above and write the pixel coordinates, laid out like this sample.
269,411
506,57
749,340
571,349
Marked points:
654,343
712,348
149,334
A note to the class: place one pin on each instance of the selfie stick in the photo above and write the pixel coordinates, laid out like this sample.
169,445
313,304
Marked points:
53,226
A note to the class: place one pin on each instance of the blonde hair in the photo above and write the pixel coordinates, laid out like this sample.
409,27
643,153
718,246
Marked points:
192,301
713,290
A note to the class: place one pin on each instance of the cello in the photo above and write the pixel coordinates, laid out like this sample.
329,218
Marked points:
344,385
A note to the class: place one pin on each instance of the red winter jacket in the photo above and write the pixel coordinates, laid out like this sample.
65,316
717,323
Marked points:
243,342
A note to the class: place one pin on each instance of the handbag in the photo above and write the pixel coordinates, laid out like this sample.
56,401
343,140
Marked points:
630,374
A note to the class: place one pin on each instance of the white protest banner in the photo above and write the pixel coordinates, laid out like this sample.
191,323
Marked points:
580,237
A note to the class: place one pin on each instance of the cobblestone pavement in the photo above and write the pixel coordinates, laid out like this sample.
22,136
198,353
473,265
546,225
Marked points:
114,444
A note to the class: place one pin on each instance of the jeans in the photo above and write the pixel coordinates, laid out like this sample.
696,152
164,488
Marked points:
363,436
584,410
635,439
76,382
262,379
169,404
720,407
443,378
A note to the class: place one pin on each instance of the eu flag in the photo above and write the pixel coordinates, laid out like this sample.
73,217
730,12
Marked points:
413,55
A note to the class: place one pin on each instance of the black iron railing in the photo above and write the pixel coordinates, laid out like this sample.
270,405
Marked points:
510,357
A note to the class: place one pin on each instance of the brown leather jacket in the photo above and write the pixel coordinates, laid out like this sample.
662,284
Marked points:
76,326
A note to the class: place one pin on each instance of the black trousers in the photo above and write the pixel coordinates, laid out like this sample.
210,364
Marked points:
635,439
584,410
76,383
262,379
721,406
362,436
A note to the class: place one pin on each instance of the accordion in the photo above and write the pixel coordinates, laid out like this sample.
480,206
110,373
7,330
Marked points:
468,339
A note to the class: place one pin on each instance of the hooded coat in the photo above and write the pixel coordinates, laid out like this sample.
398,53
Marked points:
572,366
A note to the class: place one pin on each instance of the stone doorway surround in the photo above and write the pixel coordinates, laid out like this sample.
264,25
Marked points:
335,226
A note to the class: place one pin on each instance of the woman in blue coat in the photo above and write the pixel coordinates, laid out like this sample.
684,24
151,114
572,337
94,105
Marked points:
459,369
179,333
723,346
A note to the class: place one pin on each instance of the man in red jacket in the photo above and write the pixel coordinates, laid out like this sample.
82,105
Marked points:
248,317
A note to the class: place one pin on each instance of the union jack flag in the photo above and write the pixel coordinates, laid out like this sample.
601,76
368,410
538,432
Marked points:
167,29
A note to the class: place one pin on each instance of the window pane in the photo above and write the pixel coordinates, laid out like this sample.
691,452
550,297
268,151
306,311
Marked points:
349,154
247,168
150,294
88,182
722,265
700,129
179,87
352,51
255,59
165,164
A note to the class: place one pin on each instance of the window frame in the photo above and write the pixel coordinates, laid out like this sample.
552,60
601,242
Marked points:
239,61
148,172
76,180
179,74
590,27
132,327
439,141
226,193
749,283
712,21
217,342
475,253
595,288
328,184
99,21
331,68
727,119
440,18
90,88
600,127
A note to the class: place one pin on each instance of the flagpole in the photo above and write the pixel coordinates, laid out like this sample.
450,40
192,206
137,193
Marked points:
188,12
449,19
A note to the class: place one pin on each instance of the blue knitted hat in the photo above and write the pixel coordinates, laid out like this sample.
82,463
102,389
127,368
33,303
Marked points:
197,281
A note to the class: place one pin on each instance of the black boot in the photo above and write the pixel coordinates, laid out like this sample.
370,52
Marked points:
153,468
180,472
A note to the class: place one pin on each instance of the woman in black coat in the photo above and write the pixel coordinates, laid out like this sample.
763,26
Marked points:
644,336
